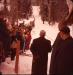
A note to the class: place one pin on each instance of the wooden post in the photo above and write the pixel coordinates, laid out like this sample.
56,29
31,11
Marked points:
17,57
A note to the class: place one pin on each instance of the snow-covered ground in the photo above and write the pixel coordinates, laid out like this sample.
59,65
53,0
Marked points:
25,64
25,61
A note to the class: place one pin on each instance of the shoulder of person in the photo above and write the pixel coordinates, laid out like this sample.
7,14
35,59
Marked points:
48,41
35,39
71,39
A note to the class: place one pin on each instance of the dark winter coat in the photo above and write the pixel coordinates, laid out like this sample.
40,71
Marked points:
5,37
40,48
57,42
62,58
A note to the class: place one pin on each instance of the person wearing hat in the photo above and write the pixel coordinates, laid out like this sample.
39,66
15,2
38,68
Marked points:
40,48
62,57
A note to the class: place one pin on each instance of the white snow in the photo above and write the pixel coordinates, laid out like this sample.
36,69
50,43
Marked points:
25,64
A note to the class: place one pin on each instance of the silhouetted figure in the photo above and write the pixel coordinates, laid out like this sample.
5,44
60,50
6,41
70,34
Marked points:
13,44
0,73
5,37
40,48
62,55
20,37
58,39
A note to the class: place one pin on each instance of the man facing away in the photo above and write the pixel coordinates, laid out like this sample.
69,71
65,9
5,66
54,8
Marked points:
40,48
62,55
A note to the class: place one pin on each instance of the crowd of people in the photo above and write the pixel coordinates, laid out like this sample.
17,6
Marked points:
9,38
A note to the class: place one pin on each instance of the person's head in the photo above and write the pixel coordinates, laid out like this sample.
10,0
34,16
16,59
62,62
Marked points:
42,33
65,32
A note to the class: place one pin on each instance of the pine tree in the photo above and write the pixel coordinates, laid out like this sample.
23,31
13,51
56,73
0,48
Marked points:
53,10
20,9
6,12
44,10
24,8
13,11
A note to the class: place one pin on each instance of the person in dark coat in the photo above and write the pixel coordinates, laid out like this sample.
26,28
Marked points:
40,48
58,39
13,45
55,46
62,55
19,35
5,37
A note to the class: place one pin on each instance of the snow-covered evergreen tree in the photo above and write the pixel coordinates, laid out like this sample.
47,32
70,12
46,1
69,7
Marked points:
24,8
